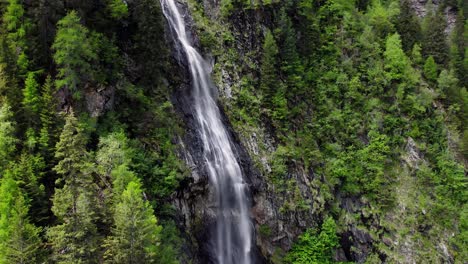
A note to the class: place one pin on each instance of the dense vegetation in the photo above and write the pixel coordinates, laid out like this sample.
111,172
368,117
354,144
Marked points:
369,98
76,181
349,90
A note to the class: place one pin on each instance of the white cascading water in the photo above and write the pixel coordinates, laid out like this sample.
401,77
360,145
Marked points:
233,239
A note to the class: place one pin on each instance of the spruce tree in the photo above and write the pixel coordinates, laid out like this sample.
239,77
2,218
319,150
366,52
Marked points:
75,239
430,69
7,136
135,235
28,172
48,116
408,26
19,239
31,106
434,37
17,26
74,53
268,70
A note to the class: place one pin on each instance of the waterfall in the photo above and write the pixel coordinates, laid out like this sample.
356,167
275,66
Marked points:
233,239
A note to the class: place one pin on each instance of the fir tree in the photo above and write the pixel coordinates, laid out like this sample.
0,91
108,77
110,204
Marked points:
31,98
73,53
408,26
17,26
135,235
430,69
268,70
19,239
434,37
75,239
7,138
48,116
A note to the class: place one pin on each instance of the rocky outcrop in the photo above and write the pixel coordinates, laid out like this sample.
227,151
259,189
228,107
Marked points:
421,9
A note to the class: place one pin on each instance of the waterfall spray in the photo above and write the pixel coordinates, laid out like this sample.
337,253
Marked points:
233,239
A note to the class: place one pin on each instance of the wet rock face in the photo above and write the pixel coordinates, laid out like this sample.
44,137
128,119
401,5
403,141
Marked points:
99,99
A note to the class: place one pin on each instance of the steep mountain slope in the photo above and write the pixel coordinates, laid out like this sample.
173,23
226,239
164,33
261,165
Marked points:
347,119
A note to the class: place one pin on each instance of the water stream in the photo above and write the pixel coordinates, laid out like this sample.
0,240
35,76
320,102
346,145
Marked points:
232,241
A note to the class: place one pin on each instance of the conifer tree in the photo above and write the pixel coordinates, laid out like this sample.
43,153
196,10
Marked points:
135,235
75,239
19,239
28,172
268,70
408,26
434,37
48,115
17,26
31,98
73,53
430,69
458,47
7,138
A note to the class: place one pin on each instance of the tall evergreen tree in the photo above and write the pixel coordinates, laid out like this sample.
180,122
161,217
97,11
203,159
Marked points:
408,26
268,70
135,236
458,47
17,26
19,239
73,53
48,116
31,98
75,239
7,136
434,37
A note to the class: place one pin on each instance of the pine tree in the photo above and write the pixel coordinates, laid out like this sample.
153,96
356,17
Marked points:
19,239
74,53
75,239
408,26
135,236
7,138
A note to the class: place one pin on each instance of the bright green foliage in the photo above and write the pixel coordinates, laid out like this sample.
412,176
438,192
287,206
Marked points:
380,18
31,98
48,115
73,53
28,172
7,136
17,26
430,69
118,9
75,239
459,42
114,151
315,247
135,235
416,55
397,63
19,239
